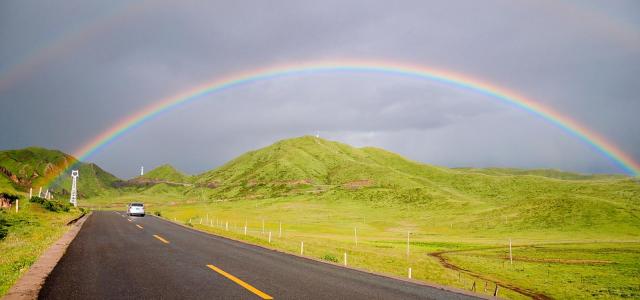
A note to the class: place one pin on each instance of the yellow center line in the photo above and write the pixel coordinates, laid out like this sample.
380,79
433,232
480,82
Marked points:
161,239
139,226
240,282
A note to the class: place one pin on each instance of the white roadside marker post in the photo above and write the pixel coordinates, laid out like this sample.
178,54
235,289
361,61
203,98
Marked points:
269,237
409,272
17,204
40,193
226,226
345,259
280,232
301,248
245,227
262,226
30,192
510,253
355,235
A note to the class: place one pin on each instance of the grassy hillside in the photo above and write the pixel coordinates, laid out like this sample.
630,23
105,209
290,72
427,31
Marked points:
574,235
166,173
35,167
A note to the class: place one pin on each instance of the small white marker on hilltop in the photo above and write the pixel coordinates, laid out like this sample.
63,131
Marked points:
141,170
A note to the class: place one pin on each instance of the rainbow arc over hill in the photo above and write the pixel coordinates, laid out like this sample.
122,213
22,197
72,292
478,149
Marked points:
459,81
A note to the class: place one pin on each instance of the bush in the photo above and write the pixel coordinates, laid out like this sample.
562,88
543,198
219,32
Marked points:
36,199
51,205
329,257
157,213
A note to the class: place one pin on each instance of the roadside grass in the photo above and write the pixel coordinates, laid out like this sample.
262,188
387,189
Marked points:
32,230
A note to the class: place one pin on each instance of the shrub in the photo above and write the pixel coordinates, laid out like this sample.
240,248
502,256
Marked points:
157,213
51,205
36,199
329,257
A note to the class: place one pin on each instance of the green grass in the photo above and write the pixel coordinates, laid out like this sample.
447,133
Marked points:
326,225
32,230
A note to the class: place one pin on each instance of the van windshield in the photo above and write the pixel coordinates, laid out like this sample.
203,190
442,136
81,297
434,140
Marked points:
137,204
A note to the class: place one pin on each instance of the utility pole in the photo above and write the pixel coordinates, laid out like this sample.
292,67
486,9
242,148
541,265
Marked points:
74,188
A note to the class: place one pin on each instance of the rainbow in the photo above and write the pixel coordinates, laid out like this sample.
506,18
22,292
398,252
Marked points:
591,138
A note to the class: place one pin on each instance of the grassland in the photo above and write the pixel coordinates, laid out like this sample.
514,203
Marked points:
30,232
562,263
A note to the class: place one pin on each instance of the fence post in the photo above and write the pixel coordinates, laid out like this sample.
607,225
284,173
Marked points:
355,235
510,253
408,233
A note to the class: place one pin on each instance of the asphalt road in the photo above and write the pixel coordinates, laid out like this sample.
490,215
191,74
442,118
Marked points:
119,257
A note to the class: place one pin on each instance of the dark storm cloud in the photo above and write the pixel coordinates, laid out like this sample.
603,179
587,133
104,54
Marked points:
579,58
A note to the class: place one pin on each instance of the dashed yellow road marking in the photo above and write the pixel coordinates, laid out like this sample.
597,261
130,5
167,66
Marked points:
139,226
237,280
160,238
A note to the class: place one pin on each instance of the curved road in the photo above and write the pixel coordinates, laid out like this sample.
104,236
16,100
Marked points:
119,257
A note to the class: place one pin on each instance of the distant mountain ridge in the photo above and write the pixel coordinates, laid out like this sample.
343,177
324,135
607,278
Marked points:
36,167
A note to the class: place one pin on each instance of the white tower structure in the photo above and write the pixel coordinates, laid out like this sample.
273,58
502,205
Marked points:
141,170
74,188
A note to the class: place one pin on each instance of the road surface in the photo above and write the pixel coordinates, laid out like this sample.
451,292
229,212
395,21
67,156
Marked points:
120,257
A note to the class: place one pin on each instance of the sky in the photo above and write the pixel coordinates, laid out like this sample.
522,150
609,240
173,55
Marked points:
71,69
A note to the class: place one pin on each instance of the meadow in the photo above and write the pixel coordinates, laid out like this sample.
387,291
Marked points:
563,263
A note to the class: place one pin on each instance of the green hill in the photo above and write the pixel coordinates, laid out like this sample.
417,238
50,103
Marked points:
166,173
314,161
35,167
535,200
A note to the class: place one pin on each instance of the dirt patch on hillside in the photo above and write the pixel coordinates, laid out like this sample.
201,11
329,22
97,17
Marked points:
356,184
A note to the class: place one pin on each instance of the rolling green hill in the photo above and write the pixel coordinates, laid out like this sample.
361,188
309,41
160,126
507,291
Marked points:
167,173
537,200
35,167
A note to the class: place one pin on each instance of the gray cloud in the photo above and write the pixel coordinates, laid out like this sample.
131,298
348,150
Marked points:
578,58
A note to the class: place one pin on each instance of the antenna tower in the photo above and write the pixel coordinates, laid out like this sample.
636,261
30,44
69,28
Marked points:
74,188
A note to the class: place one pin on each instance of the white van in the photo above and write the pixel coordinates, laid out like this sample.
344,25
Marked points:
136,209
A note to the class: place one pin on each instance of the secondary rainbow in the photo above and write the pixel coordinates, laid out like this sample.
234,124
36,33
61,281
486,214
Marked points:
591,138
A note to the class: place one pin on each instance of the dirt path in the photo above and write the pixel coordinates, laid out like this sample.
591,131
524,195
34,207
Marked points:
447,264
